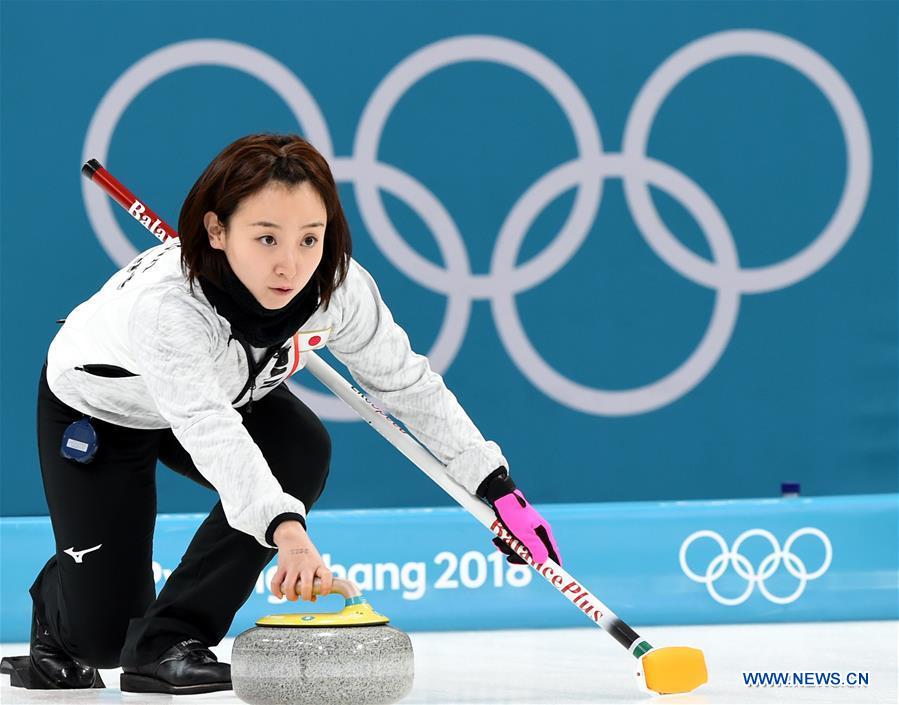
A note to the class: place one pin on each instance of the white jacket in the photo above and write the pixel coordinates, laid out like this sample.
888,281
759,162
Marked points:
146,352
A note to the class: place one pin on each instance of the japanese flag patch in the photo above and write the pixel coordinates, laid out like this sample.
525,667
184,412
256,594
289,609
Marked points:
311,339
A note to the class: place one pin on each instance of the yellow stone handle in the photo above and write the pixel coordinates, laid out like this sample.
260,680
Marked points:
356,610
347,588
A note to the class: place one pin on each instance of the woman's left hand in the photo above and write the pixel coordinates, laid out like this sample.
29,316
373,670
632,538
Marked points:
519,518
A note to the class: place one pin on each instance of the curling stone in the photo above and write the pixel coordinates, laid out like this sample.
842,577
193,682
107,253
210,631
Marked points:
349,657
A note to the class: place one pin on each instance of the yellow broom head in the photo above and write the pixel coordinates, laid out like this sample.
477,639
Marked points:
673,669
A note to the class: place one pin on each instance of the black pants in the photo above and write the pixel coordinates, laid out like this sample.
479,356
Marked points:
104,610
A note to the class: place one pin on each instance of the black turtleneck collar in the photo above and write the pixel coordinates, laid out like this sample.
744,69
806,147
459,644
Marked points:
251,321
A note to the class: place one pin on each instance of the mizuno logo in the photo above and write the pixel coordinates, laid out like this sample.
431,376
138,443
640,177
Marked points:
79,555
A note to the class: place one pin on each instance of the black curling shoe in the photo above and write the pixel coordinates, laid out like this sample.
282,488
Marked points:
188,667
48,666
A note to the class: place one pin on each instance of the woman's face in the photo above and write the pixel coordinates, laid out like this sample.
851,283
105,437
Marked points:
274,241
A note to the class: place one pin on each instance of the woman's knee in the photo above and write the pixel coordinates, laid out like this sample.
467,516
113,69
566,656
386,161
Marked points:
98,640
294,441
100,653
94,629
303,471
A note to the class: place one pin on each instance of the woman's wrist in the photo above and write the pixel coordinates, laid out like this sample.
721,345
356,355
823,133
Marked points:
288,530
497,484
277,521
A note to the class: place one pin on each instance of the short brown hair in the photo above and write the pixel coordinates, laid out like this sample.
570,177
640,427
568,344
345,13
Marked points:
240,170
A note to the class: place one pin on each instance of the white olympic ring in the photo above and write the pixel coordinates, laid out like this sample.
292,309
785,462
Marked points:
768,566
587,172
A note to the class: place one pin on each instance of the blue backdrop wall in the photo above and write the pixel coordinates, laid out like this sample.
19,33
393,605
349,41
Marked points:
651,246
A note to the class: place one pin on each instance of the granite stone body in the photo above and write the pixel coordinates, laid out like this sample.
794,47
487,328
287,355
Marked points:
322,665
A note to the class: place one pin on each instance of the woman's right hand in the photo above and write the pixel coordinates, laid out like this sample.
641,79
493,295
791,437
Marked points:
298,561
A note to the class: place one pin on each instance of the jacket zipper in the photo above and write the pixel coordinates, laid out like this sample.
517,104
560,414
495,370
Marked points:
254,370
250,403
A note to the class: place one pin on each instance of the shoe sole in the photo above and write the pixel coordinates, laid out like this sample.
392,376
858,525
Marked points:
134,683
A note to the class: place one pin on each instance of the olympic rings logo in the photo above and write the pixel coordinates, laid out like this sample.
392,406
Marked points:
638,171
745,569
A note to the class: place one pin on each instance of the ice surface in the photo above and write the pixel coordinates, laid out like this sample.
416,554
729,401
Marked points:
586,666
